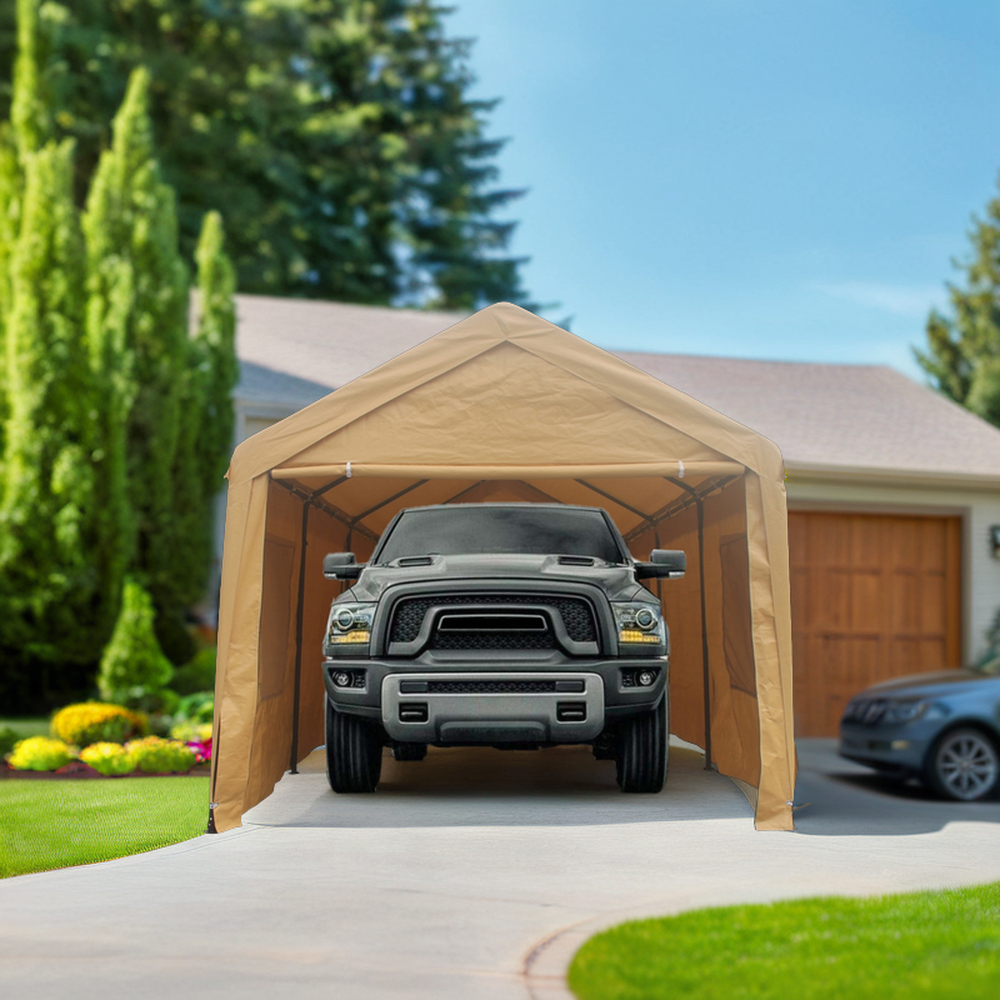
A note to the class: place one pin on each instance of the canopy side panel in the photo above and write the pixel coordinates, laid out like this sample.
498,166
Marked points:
733,688
276,645
681,602
326,534
239,620
767,533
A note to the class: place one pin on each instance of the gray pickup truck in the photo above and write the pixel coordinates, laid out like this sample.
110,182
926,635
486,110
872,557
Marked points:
516,626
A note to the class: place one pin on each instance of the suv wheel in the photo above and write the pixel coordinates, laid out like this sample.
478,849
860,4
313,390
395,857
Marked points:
353,752
641,757
964,765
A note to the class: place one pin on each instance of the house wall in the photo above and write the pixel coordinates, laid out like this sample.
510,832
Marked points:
978,510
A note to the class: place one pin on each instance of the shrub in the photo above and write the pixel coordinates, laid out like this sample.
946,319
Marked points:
192,732
155,755
196,675
40,753
197,707
133,667
109,758
8,737
97,722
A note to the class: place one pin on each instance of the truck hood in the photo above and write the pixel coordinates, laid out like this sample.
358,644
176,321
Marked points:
617,582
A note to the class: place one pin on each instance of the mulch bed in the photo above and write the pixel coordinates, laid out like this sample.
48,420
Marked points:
77,769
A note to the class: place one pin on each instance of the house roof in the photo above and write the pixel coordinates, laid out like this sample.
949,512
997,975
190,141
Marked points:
860,419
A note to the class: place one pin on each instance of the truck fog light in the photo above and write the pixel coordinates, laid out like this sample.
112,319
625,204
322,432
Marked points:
342,679
646,677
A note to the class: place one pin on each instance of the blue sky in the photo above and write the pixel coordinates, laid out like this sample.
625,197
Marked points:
777,179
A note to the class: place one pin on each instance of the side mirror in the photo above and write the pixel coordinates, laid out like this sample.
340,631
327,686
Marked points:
664,564
341,566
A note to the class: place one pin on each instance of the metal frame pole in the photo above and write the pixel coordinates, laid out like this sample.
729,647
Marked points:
299,623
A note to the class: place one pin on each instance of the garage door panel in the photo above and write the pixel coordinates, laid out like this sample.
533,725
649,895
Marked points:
867,597
867,550
873,597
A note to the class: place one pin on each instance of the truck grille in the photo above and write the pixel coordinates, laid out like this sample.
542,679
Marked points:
576,613
491,687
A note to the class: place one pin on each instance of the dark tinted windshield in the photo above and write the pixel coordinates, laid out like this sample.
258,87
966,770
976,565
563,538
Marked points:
474,530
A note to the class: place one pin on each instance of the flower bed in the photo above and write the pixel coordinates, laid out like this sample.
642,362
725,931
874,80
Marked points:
97,739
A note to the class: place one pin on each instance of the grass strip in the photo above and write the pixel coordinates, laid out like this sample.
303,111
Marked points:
918,946
25,727
54,824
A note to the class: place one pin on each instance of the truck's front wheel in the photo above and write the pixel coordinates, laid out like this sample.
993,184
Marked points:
353,752
641,757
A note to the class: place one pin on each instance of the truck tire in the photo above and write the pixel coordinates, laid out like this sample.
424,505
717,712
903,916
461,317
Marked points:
353,752
643,744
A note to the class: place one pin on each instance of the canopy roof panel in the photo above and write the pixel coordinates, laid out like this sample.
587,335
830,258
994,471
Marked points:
504,388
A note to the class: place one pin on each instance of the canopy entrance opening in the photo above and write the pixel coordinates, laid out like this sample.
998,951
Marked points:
506,407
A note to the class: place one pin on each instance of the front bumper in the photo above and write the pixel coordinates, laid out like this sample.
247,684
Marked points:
896,750
600,687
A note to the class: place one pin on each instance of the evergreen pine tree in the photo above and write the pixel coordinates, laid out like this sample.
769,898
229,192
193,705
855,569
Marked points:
137,314
963,350
339,135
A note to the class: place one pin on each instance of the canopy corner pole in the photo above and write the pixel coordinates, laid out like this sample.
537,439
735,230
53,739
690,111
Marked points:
699,503
299,625
307,502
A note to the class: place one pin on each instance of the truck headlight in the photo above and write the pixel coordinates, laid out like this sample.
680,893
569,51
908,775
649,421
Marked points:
350,623
639,624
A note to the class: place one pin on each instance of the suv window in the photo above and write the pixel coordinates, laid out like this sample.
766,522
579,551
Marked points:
478,530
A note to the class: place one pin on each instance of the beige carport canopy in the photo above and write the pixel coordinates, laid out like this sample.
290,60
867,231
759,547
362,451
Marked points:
505,406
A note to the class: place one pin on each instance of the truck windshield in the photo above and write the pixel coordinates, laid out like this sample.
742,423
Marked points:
478,530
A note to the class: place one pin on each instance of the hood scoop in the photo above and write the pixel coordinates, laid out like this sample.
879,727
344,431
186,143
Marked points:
414,561
577,561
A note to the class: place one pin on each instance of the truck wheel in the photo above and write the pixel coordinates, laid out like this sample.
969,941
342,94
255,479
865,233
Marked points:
353,752
643,743
409,751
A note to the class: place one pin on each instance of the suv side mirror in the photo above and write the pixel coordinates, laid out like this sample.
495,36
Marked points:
341,566
664,564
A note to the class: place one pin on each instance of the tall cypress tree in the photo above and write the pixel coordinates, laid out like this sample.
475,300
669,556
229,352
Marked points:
29,113
206,433
963,350
137,315
48,585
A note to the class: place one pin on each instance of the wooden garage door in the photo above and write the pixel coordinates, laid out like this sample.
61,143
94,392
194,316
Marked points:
873,597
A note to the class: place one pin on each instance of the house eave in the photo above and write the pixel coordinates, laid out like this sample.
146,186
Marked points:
924,478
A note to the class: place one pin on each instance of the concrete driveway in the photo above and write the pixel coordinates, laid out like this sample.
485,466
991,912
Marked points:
471,874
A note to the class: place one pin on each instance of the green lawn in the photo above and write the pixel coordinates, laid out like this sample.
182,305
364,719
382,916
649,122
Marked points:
25,727
53,824
922,946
